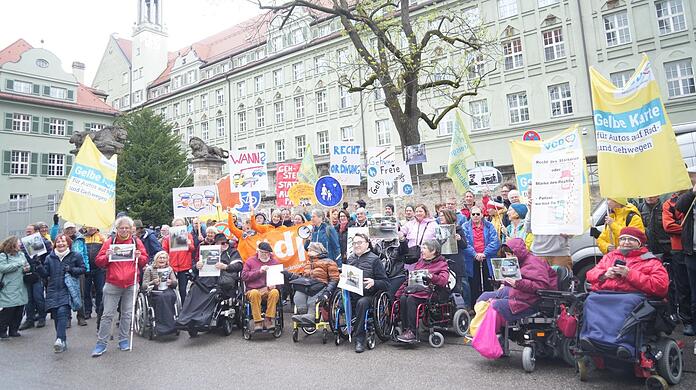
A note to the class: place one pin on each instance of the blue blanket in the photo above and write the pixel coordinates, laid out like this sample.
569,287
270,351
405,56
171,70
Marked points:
604,316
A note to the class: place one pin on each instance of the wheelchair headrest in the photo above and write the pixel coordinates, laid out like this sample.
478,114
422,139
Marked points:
563,277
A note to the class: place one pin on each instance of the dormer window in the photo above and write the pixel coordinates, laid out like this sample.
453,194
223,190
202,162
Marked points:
41,63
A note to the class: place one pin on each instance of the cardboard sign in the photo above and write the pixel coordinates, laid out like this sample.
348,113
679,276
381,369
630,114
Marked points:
389,180
34,245
345,163
484,178
209,255
302,194
248,171
194,201
415,154
227,198
286,177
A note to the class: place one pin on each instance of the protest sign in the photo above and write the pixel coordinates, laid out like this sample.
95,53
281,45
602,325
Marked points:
287,243
506,268
248,199
227,198
345,163
122,252
163,275
385,176
34,245
351,279
446,236
557,198
328,191
209,255
194,201
274,275
484,178
286,177
383,227
302,194
178,239
415,154
248,171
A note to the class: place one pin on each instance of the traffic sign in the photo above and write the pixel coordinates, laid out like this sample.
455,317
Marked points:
248,198
328,191
531,135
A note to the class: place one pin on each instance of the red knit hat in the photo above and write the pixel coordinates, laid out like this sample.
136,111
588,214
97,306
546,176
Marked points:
633,232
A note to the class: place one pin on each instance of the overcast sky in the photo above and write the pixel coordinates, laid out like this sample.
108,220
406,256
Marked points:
78,30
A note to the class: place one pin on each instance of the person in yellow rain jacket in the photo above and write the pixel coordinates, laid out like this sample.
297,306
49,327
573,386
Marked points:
621,214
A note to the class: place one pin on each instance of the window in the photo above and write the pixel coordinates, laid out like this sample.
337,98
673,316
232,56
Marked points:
204,131
204,101
280,150
260,117
241,120
241,89
276,44
300,145
446,125
19,202
124,78
513,54
323,141
279,109
670,16
619,79
19,163
96,126
518,107
383,132
378,91
177,109
219,97
177,82
56,164
258,83
299,107
320,65
297,70
344,100
260,146
22,86
616,29
220,125
483,163
347,133
544,3
480,117
21,122
126,101
137,96
163,112
189,132
56,126
342,57
52,202
680,78
507,8
190,76
554,47
58,93
561,100
189,106
277,77
321,101
477,66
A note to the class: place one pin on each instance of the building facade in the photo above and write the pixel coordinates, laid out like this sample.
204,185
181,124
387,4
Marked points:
41,107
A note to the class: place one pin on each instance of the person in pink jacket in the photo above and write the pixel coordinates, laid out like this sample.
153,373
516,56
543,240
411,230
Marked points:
435,273
254,277
414,232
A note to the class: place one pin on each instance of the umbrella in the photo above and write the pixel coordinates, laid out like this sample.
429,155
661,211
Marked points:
347,310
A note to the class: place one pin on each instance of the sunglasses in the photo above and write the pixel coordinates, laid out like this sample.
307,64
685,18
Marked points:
475,213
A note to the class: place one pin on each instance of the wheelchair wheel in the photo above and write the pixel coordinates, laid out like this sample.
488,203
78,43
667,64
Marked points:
670,366
309,330
656,382
371,341
528,359
461,322
226,326
382,317
278,331
295,335
567,351
436,340
140,322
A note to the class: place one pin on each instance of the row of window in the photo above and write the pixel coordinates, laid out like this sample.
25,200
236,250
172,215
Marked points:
190,106
26,123
26,163
29,88
20,203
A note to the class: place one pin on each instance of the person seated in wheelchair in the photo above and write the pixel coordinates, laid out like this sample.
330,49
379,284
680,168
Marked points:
159,280
316,284
375,280
230,267
516,299
254,275
429,273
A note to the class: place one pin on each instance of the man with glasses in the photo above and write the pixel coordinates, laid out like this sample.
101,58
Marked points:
254,275
483,244
451,204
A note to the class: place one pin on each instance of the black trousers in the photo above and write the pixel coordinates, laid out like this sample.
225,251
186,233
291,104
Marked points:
680,295
408,306
477,286
11,317
360,308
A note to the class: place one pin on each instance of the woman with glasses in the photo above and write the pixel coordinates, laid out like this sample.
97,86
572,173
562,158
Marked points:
482,244
422,227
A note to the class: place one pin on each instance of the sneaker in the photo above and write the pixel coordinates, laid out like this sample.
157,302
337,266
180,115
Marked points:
269,323
99,349
59,346
407,336
124,345
41,323
26,325
81,322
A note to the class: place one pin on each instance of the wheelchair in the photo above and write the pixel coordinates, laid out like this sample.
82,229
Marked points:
656,356
246,317
377,318
145,321
322,321
538,334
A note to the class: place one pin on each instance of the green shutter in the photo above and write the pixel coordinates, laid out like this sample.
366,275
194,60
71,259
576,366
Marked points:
44,164
70,94
68,164
46,90
36,89
34,163
6,161
8,121
68,128
46,125
9,85
88,126
34,124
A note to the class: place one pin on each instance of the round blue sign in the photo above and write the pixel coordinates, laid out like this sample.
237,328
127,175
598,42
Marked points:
328,191
408,189
248,198
372,171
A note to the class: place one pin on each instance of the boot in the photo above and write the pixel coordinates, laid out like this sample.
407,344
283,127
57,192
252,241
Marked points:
359,345
41,322
26,325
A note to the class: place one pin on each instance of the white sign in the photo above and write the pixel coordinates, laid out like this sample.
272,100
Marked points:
194,201
248,171
122,252
209,255
484,178
386,177
557,189
34,245
351,279
274,275
345,163
178,239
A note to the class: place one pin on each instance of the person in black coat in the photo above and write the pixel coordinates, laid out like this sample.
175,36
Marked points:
448,217
344,222
58,263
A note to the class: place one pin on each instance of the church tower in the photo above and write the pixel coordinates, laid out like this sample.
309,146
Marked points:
149,55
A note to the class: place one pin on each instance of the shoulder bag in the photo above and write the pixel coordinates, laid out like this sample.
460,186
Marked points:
413,253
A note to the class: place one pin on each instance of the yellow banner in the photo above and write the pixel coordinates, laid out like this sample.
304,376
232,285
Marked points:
460,149
308,169
637,152
89,197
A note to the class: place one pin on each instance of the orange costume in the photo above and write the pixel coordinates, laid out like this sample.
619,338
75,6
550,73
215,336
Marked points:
246,243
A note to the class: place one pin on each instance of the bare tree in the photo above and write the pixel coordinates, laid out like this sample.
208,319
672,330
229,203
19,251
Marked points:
431,52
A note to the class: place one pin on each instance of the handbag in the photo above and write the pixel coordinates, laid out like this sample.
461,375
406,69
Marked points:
486,339
73,286
307,286
480,308
567,324
413,253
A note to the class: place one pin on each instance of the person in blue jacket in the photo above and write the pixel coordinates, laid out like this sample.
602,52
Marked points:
79,247
149,239
483,244
325,234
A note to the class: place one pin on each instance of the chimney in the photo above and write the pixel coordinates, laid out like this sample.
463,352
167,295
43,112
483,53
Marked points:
78,70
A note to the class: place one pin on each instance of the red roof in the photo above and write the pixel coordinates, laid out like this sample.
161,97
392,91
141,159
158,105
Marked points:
126,47
14,52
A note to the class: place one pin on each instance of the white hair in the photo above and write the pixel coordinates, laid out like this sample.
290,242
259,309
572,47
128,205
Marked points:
210,229
318,213
175,220
120,220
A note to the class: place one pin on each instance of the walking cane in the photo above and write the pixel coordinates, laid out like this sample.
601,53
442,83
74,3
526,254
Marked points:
135,296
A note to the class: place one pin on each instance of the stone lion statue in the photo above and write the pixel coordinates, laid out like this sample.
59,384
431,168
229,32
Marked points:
109,140
199,149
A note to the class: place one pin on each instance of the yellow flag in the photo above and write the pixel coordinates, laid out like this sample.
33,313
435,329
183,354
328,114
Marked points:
637,151
460,150
89,196
308,170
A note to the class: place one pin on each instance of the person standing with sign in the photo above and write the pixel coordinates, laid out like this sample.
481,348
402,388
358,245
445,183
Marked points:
482,245
180,261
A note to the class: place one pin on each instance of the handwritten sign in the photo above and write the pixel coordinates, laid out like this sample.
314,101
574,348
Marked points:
194,201
385,176
345,163
302,194
286,177
248,171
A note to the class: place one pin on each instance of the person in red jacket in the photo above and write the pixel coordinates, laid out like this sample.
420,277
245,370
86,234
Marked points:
180,261
640,272
681,302
121,284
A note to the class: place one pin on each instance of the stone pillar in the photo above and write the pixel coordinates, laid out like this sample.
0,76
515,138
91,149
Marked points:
206,171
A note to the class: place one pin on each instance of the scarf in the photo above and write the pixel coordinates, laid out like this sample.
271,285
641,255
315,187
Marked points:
342,226
61,255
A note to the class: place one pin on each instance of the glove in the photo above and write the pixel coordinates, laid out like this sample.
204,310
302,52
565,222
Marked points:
55,219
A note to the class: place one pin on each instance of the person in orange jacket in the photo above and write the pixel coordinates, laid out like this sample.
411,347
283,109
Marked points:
247,239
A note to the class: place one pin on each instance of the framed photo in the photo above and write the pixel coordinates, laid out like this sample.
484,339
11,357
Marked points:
445,235
178,238
34,245
506,267
351,279
122,252
383,228
209,255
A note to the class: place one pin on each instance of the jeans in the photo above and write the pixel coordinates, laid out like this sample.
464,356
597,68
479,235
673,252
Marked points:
465,290
183,283
36,307
690,262
112,295
10,317
408,306
94,279
60,316
255,298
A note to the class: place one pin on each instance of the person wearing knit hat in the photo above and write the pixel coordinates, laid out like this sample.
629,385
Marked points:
635,234
516,213
621,214
254,277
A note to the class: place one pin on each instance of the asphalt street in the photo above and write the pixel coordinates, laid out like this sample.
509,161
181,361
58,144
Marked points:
213,361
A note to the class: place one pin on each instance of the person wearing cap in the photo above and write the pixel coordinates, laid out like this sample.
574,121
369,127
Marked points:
685,205
80,247
323,274
642,271
149,239
621,214
254,276
96,276
516,214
